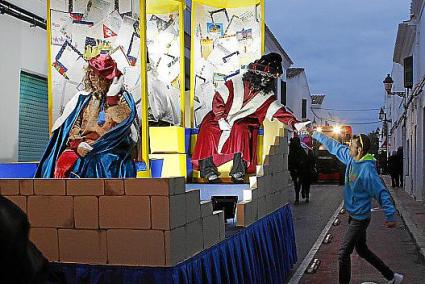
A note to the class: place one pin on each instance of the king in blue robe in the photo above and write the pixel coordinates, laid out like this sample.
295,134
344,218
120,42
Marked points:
111,156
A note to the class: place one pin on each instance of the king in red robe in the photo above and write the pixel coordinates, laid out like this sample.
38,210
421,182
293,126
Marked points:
239,108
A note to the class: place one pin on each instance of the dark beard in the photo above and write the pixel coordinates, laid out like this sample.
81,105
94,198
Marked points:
254,81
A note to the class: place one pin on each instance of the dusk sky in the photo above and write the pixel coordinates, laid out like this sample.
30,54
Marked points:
345,46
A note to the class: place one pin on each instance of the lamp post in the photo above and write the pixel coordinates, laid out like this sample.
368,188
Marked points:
388,85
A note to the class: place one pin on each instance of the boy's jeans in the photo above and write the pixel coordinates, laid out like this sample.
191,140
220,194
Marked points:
355,237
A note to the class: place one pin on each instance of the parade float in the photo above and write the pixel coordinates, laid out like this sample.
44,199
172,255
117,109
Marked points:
163,226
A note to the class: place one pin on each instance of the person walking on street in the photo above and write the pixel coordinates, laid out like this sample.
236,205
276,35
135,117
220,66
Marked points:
307,167
393,169
362,183
301,167
400,166
295,152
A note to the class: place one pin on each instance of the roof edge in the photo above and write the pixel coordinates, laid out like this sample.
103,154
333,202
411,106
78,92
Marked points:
279,46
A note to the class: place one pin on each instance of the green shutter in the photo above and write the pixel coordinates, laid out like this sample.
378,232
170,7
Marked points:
33,117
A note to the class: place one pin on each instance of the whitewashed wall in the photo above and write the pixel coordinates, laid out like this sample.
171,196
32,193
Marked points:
22,48
412,136
416,110
297,90
394,108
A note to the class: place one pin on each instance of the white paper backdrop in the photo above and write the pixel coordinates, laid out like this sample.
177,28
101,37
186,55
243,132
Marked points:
84,29
163,43
226,41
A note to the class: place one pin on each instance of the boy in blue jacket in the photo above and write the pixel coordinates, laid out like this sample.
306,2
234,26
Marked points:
362,183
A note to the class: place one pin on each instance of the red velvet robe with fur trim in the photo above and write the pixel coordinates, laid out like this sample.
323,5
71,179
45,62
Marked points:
245,112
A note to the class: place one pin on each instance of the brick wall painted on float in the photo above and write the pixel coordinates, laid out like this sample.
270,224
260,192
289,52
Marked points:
140,222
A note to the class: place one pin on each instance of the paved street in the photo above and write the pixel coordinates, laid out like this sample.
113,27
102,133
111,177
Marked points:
311,218
394,246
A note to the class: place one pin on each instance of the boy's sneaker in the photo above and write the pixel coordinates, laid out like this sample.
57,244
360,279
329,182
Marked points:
398,278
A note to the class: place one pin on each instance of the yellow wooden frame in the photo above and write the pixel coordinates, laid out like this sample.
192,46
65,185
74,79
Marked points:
218,4
143,85
49,69
228,3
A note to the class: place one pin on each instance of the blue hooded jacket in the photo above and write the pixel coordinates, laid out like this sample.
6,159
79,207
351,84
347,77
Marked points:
362,182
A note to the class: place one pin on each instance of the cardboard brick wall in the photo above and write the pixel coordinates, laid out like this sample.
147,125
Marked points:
138,222
270,187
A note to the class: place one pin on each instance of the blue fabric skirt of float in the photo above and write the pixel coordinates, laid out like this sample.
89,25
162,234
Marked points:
264,252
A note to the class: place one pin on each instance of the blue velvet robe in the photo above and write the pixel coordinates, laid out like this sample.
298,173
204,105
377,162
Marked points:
111,154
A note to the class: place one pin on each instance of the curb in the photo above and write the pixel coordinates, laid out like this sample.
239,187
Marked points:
412,228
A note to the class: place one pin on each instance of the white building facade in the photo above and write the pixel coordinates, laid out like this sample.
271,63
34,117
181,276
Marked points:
405,112
299,96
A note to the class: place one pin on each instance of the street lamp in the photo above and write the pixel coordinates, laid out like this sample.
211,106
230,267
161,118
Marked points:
382,114
388,85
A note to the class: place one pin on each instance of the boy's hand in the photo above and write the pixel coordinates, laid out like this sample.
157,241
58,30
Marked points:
301,126
390,224
309,128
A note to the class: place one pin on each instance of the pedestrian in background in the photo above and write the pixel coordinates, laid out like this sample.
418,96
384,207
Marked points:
393,169
301,167
308,166
400,166
362,183
295,151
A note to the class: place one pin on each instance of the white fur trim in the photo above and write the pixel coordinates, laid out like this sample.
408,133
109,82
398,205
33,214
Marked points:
223,138
273,108
238,95
224,92
134,135
237,111
69,108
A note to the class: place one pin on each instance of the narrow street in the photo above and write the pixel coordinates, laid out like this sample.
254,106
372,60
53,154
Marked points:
311,218
394,246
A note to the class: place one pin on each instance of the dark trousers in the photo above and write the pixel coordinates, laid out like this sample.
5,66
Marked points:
355,237
394,180
305,187
400,179
297,186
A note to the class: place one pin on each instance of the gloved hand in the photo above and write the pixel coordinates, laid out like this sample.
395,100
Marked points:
115,87
83,149
224,125
299,126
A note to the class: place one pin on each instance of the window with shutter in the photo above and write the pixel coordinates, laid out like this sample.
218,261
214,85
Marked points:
33,117
283,92
408,72
304,109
